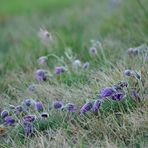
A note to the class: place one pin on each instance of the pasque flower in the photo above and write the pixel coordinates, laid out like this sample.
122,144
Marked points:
9,120
117,96
44,115
96,106
106,92
39,106
93,51
43,60
40,75
71,107
85,66
29,102
76,64
4,113
58,104
86,107
59,70
128,72
29,119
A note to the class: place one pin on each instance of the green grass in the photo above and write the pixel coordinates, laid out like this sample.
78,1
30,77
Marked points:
73,24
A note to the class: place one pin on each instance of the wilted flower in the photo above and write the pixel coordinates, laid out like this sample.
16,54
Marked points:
28,130
86,107
106,92
77,64
96,106
93,51
58,104
4,113
85,66
9,120
45,115
118,96
39,106
43,60
128,72
59,70
71,107
40,75
122,84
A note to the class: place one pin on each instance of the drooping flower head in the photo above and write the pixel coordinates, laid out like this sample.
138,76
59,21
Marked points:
127,73
28,130
58,104
71,107
29,102
117,96
59,70
106,92
43,60
76,64
4,113
85,66
96,106
9,120
40,75
86,107
39,106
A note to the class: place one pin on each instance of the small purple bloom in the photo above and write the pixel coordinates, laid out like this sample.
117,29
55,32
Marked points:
28,130
134,94
59,70
29,102
86,107
106,92
96,106
71,107
85,66
9,120
45,115
146,58
39,106
40,75
127,72
4,113
93,51
58,104
118,96
29,119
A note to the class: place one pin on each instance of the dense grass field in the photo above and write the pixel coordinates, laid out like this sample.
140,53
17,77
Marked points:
74,28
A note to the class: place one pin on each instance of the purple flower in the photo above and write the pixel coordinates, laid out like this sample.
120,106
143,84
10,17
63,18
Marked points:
43,60
58,104
29,119
85,66
4,113
93,51
40,75
71,107
146,58
127,73
118,96
106,92
45,115
96,106
86,107
59,70
39,106
9,120
29,102
134,94
28,130
133,51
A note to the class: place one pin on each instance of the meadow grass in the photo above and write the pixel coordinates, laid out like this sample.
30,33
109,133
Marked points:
118,26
